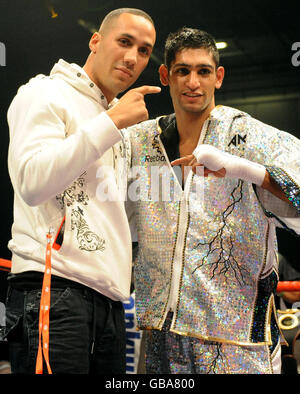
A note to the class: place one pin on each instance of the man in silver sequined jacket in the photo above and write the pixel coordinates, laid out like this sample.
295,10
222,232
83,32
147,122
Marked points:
206,271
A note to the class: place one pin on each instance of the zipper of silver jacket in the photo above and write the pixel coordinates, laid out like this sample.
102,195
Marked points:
176,267
183,220
179,255
178,262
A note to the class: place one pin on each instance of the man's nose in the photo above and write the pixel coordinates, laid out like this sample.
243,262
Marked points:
193,81
130,57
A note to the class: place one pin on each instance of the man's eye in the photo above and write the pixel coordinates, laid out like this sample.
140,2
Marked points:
204,71
182,71
144,51
124,41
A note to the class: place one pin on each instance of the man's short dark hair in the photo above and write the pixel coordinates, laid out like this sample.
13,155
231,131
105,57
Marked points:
189,38
116,13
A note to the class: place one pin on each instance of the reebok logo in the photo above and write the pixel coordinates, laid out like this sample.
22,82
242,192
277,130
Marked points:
154,159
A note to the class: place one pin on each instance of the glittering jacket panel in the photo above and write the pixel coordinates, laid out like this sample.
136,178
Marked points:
212,243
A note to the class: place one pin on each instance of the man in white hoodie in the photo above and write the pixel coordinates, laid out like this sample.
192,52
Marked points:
65,144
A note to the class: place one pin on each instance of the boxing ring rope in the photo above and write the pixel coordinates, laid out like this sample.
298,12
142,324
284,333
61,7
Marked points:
5,265
288,286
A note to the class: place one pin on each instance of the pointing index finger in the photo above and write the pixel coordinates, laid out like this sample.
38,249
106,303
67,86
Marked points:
146,89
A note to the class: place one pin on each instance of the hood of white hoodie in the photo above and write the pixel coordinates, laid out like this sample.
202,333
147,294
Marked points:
78,78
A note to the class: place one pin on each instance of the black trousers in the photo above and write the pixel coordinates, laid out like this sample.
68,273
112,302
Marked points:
87,331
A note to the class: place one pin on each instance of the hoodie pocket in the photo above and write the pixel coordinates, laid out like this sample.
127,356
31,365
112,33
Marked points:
62,238
59,238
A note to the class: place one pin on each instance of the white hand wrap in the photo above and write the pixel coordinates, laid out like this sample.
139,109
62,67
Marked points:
236,167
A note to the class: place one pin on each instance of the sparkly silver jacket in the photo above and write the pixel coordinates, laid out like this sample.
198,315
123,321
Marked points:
208,251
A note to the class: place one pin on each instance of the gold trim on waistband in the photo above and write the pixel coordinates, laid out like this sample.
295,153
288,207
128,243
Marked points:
210,339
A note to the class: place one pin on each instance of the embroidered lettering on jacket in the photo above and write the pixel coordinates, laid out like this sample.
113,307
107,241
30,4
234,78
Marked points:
87,240
156,145
238,140
155,158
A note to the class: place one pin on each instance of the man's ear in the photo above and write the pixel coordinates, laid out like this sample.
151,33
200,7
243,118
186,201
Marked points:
164,74
94,42
220,76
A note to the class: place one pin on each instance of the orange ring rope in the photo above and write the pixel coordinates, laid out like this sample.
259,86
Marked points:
5,265
288,286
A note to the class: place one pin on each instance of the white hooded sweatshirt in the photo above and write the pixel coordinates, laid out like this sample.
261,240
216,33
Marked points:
68,159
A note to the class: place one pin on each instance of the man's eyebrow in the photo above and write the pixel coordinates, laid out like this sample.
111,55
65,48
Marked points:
134,38
189,65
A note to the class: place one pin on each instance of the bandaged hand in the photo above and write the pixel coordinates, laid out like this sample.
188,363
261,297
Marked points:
224,164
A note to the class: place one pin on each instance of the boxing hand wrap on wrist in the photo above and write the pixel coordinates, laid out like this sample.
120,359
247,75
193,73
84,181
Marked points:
236,167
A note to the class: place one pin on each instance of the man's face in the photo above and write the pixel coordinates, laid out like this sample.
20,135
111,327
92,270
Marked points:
192,79
121,53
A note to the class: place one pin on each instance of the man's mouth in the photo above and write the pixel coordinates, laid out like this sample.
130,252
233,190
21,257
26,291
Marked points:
190,94
124,71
